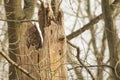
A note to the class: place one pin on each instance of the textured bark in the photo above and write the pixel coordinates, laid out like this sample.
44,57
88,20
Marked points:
52,55
16,31
29,43
56,6
112,38
45,63
29,53
12,8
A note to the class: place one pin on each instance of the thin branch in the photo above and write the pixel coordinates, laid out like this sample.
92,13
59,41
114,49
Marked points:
84,28
108,66
91,23
103,46
16,65
27,20
78,53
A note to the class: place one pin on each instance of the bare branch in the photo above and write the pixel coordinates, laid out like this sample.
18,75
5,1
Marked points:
27,20
108,66
90,24
78,53
17,66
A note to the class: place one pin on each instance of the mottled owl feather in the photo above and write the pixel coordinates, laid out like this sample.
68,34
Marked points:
32,36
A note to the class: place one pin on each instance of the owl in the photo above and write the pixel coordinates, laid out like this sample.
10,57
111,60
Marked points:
32,36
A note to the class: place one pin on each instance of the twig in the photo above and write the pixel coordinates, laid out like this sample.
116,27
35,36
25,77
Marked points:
27,20
92,22
16,65
78,53
108,66
116,72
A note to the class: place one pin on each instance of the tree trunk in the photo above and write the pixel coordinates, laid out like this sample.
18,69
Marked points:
112,39
12,8
52,55
16,30
46,63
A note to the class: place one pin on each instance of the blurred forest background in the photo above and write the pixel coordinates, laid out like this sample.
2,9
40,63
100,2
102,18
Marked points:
92,30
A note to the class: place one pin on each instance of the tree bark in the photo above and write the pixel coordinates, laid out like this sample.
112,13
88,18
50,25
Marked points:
112,38
16,31
52,55
46,63
13,12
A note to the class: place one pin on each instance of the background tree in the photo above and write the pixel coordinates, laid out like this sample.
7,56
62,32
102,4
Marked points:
92,37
